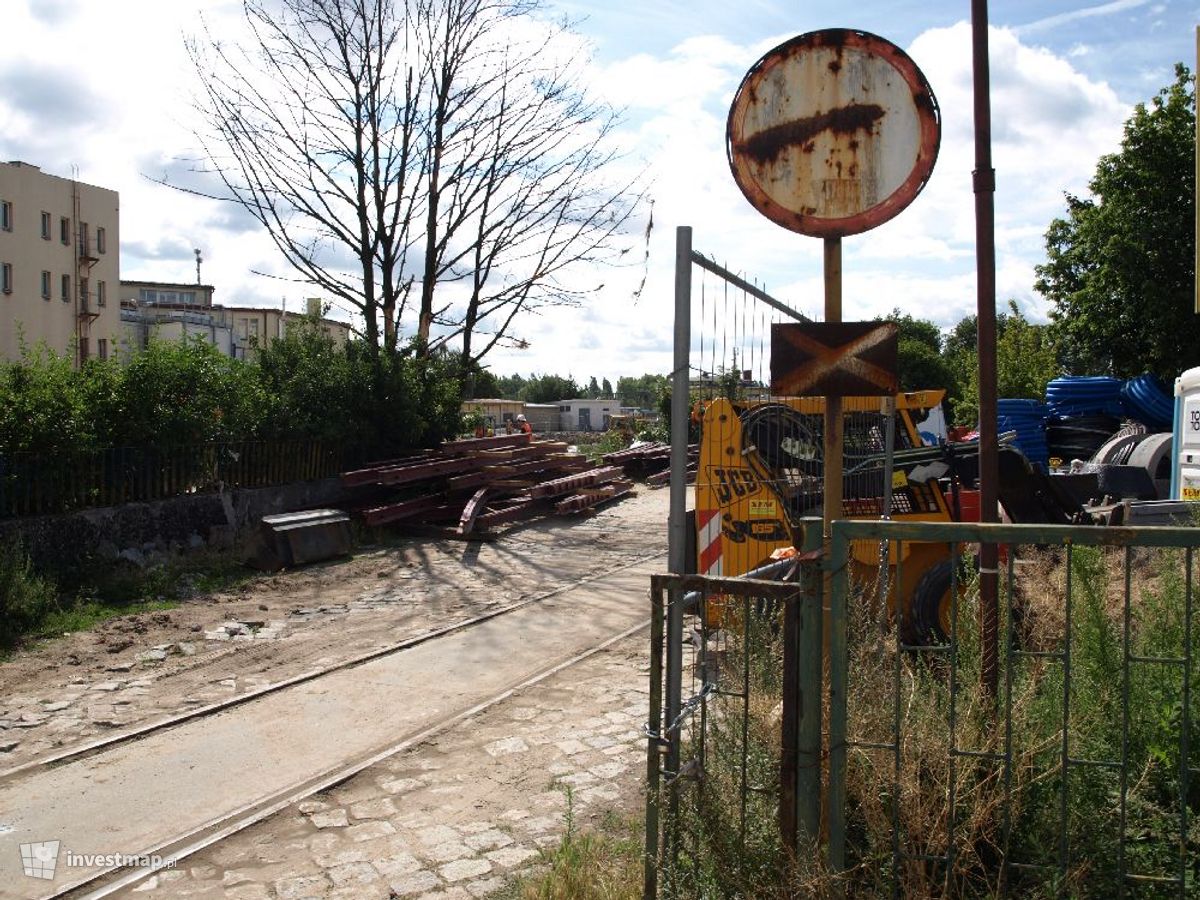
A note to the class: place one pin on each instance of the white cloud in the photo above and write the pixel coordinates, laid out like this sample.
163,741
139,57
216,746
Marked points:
1050,124
1076,15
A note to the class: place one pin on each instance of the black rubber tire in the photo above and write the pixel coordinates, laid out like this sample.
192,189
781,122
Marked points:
924,619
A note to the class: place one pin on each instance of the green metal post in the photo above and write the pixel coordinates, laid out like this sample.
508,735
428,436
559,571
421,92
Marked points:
654,744
838,569
809,671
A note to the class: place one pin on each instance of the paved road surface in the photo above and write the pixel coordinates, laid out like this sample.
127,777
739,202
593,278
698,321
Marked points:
139,795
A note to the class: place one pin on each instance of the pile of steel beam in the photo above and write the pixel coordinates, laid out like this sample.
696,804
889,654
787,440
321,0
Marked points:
651,461
479,483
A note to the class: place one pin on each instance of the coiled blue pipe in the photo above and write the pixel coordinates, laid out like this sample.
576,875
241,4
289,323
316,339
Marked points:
1144,399
1028,419
1085,395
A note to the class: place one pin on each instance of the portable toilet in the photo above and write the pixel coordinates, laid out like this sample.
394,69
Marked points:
1185,474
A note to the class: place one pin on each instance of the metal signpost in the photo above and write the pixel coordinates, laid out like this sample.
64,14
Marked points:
833,133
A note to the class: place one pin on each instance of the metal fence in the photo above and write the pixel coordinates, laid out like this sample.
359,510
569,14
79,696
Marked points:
1078,778
38,483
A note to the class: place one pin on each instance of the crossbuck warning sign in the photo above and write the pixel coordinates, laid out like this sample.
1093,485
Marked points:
834,359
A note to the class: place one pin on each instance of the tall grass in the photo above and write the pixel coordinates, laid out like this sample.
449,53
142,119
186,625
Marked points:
26,598
991,817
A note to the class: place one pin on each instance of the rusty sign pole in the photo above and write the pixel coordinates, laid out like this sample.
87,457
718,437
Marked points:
985,255
832,506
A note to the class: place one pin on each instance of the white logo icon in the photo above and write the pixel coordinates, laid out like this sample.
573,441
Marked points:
38,860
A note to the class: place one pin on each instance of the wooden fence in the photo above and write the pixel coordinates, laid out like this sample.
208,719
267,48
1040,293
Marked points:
34,484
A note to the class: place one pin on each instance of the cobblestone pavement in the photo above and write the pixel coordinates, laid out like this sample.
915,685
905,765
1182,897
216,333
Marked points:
137,669
454,817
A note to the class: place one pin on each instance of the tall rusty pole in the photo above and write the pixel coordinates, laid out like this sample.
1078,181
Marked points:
985,255
834,437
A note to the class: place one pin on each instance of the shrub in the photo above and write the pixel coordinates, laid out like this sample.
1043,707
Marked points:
26,599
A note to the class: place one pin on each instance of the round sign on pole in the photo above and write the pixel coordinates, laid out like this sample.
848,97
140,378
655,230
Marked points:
833,132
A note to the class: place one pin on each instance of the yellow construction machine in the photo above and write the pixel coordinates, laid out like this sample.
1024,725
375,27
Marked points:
760,471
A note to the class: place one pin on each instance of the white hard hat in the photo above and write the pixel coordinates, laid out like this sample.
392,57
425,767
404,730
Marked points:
521,418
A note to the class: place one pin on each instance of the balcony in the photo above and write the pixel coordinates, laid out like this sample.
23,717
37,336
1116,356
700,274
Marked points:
87,308
89,252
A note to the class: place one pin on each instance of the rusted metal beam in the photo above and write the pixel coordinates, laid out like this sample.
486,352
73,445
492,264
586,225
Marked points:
471,511
495,473
534,450
588,499
486,443
394,512
406,474
523,510
573,482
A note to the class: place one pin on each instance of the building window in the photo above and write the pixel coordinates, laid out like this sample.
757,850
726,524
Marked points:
243,326
66,289
83,293
153,297
254,328
84,249
102,348
45,226
6,277
101,294
45,285
101,241
84,350
6,215
64,231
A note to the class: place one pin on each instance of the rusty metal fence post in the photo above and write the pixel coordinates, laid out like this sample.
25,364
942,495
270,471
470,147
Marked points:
802,720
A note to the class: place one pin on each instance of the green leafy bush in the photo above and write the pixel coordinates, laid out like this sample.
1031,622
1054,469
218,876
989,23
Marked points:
183,393
26,598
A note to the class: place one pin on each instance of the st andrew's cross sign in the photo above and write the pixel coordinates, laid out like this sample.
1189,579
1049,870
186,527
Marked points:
834,359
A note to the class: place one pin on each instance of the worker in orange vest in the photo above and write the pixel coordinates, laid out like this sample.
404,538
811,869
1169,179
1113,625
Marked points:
523,424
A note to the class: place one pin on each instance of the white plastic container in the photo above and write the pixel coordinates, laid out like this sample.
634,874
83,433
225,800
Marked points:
1185,474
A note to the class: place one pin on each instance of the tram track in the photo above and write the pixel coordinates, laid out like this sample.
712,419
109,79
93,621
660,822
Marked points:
92,748
113,880
302,688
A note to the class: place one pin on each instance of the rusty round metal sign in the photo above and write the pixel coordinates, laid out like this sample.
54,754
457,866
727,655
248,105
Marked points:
833,132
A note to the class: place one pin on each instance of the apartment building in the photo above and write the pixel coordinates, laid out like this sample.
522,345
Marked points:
59,264
258,326
171,311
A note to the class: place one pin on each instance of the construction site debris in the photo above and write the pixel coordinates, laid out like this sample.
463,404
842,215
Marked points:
651,461
480,483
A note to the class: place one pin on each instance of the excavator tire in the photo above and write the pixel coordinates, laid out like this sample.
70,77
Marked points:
929,612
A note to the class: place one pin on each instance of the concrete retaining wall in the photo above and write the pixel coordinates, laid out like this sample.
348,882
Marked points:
65,542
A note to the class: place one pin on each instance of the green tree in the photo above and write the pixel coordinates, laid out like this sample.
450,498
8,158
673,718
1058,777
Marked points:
919,358
549,389
185,392
643,391
511,386
606,388
1119,268
486,383
309,385
1026,360
593,389
41,406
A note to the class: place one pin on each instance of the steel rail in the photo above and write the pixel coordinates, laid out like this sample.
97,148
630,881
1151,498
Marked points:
105,883
95,748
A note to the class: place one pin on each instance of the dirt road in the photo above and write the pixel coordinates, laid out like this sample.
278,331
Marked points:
139,669
325,616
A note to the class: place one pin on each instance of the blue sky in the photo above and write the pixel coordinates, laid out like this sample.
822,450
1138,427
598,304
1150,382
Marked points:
111,99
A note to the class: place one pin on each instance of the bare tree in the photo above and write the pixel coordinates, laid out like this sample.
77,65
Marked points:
436,151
